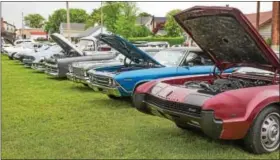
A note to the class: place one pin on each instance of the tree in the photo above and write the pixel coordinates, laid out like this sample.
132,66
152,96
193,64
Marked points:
144,14
94,18
141,31
59,16
171,26
125,24
34,20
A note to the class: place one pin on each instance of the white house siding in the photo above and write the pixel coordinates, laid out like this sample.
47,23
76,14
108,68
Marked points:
265,31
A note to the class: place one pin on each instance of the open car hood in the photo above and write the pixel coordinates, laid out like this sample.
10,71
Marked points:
66,45
228,37
126,48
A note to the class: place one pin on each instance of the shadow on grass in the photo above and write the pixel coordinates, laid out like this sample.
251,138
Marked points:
38,72
198,134
81,88
112,104
56,78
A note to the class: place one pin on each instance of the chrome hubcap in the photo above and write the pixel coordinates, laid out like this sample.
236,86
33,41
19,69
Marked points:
270,132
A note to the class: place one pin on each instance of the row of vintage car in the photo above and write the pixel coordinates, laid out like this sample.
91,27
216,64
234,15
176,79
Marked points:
229,87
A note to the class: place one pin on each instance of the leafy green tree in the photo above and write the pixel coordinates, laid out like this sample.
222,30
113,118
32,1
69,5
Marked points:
59,16
141,31
171,26
94,18
144,14
125,24
34,20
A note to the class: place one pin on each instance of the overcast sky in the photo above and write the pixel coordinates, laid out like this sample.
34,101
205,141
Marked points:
11,11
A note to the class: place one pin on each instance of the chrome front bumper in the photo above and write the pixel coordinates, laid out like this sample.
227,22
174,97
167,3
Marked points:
38,67
51,70
105,90
27,62
77,79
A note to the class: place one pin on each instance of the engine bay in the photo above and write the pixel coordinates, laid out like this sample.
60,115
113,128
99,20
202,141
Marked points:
224,84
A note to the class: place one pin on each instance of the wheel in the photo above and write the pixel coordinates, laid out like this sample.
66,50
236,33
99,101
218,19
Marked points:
114,97
263,136
86,85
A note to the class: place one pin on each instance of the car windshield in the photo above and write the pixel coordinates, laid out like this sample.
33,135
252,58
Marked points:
55,48
169,57
86,45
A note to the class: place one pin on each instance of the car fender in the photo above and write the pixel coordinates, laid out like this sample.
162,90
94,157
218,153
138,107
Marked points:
238,108
140,83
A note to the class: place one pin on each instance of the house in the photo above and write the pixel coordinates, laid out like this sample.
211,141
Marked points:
31,33
144,21
93,31
157,23
75,30
265,23
8,31
154,24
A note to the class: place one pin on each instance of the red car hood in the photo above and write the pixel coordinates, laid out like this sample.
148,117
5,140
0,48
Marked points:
228,37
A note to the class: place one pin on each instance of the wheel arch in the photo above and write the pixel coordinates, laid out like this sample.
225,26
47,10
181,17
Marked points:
139,83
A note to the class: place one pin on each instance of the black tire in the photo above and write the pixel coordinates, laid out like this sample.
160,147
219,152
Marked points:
114,97
86,85
256,135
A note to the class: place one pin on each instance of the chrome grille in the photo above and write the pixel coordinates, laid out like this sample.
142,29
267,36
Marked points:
173,106
78,71
100,80
51,68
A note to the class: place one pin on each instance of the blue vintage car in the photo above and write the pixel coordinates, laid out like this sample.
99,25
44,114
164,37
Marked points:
139,67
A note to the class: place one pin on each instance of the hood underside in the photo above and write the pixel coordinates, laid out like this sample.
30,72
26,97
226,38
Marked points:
228,37
66,45
126,48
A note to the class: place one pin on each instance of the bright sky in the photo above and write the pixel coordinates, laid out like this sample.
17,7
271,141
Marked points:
11,11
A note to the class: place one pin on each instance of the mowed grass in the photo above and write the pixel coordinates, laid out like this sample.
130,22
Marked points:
49,118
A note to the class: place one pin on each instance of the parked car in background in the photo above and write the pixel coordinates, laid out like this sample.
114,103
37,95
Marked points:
19,41
139,67
39,56
38,47
78,70
158,44
87,50
243,105
22,47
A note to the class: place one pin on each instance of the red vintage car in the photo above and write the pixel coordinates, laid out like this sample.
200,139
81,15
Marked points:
242,105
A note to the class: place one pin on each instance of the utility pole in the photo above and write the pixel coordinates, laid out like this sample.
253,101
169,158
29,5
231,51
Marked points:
258,16
101,18
275,34
22,25
68,20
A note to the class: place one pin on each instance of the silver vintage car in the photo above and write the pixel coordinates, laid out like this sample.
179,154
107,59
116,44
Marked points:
78,70
87,50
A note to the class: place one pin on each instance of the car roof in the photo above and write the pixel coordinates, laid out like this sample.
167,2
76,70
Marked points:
193,49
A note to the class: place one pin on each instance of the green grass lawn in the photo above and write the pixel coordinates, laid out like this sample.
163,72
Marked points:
49,118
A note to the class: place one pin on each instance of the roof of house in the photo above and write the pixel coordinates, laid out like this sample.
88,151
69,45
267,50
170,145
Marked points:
143,20
74,26
265,17
89,31
38,33
160,19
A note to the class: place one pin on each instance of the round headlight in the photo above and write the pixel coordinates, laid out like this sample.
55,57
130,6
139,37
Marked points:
85,73
70,68
110,82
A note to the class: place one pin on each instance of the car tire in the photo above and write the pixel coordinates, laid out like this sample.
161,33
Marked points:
114,97
263,135
86,85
